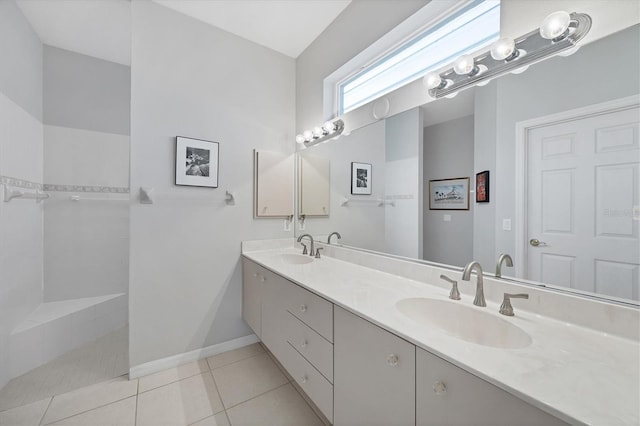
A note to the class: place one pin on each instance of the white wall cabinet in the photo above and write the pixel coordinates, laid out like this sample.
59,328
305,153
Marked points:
448,395
374,374
360,374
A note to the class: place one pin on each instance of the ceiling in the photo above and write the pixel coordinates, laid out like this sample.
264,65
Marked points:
102,28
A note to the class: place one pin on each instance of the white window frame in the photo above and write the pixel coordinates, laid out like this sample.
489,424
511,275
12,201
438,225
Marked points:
428,17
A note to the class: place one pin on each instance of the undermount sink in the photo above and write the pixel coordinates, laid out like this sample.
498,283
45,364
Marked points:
295,259
465,322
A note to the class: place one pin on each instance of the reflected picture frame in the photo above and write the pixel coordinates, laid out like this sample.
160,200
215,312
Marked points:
449,194
361,178
197,162
482,187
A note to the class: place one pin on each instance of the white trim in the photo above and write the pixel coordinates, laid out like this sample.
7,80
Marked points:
185,357
433,12
522,131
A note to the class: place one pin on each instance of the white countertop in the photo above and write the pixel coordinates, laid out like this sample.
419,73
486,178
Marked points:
577,374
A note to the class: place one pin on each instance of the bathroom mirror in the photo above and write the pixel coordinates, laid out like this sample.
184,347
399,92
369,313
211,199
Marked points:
273,184
313,185
549,109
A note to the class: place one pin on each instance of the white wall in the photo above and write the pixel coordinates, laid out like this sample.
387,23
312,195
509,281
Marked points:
404,178
194,80
358,26
360,223
20,158
86,154
448,153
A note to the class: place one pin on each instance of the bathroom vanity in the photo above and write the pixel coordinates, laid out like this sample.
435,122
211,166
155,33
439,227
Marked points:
348,329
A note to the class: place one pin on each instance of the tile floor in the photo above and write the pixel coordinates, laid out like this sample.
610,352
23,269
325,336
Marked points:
240,387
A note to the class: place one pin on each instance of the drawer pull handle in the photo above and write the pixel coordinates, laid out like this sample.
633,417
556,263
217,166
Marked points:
303,308
304,379
392,360
439,388
304,343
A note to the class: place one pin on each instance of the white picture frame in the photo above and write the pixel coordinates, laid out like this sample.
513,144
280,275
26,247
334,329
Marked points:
449,194
197,162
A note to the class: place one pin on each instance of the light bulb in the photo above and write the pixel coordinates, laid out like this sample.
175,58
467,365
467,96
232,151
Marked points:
299,139
308,135
465,65
328,127
504,49
433,81
317,132
554,26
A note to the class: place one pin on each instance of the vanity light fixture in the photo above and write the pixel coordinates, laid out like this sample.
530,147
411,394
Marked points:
559,34
329,129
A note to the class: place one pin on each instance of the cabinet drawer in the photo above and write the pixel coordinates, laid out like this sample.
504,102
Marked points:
317,388
313,347
313,310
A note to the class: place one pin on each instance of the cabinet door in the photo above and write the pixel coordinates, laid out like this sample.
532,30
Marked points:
252,280
448,395
374,374
275,318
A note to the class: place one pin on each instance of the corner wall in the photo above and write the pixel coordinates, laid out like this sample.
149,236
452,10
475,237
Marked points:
194,80
21,165
86,154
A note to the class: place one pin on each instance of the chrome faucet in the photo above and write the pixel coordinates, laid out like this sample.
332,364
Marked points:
454,294
466,276
503,258
311,241
337,234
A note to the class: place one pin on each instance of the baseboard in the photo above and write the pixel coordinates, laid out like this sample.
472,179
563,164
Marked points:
183,358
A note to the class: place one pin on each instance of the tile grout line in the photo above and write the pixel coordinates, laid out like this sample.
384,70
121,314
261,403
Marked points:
85,411
257,396
45,410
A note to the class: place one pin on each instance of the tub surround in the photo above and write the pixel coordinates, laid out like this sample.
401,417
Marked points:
571,370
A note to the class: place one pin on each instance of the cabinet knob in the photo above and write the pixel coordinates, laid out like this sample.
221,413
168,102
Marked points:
255,274
263,278
303,308
392,360
304,379
304,343
439,388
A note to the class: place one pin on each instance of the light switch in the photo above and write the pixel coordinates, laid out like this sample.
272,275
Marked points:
506,224
446,218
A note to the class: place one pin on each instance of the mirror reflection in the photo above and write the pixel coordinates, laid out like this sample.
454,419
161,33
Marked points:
561,148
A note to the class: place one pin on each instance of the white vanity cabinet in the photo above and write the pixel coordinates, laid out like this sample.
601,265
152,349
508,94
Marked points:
374,374
448,395
297,327
253,278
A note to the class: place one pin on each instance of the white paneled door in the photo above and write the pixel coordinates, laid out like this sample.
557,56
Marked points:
582,205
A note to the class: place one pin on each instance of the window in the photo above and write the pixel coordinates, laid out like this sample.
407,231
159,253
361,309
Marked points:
473,27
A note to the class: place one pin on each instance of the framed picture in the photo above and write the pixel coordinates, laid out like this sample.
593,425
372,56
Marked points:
482,187
360,179
196,162
449,194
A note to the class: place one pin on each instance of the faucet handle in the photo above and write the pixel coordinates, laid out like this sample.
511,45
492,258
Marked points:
318,252
506,308
304,248
454,294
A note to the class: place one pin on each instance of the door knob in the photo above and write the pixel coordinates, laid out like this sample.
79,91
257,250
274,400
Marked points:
537,243
392,360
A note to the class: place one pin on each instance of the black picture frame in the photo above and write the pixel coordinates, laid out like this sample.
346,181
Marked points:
361,178
197,162
482,187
